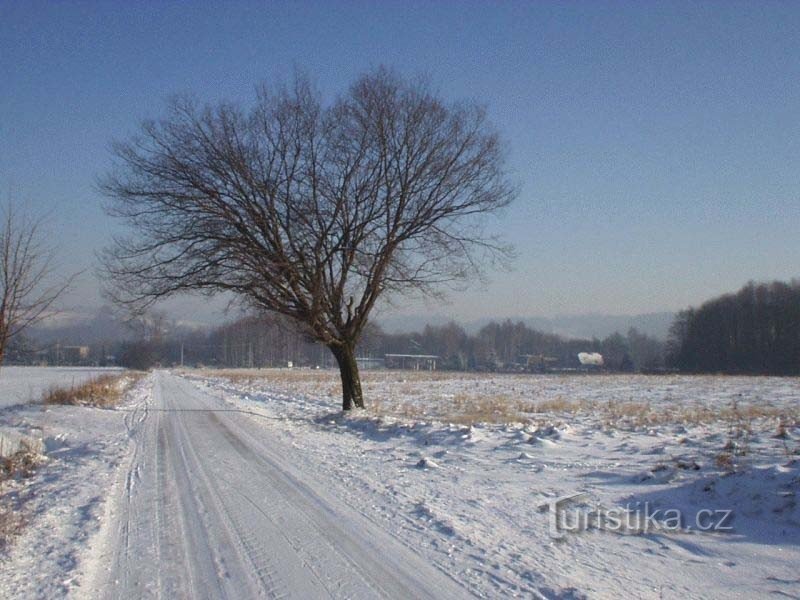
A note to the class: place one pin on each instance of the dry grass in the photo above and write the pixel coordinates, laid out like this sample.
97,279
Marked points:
461,409
103,391
304,375
20,465
496,398
272,375
11,523
500,409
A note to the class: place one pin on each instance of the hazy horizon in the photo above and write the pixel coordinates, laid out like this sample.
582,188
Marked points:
654,146
210,314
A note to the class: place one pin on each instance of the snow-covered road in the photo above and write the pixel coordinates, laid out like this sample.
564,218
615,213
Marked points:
211,505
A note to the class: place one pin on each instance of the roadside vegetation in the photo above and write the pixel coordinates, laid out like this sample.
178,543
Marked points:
18,465
103,391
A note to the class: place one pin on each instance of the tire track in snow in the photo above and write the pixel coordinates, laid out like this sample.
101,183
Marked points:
236,535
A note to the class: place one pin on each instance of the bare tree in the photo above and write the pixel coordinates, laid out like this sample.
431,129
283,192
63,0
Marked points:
25,267
307,209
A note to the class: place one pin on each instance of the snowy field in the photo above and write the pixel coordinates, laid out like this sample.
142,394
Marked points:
19,385
254,483
473,495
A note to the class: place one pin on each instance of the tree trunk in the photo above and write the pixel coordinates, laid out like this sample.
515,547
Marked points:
351,381
3,341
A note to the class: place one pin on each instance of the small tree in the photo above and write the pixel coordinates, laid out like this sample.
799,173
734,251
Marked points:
309,210
25,267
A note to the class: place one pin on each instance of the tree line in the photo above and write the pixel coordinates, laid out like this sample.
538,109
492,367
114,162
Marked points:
753,331
272,341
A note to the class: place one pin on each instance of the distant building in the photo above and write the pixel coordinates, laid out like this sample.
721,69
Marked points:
415,362
370,363
74,354
65,355
538,363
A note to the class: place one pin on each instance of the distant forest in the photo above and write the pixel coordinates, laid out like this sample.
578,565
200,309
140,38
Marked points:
754,331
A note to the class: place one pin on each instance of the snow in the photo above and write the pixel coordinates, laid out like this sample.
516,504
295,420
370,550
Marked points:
212,504
63,504
478,513
19,385
257,484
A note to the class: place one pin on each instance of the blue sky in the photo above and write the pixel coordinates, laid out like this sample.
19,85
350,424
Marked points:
657,146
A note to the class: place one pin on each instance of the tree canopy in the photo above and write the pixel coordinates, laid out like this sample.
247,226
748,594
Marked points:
308,209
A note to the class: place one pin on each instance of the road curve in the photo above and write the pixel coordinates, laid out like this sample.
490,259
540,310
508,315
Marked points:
211,506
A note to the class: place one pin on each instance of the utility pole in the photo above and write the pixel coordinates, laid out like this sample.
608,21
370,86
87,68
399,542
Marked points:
181,354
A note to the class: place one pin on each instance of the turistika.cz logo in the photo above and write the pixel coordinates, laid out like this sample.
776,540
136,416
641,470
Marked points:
573,514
